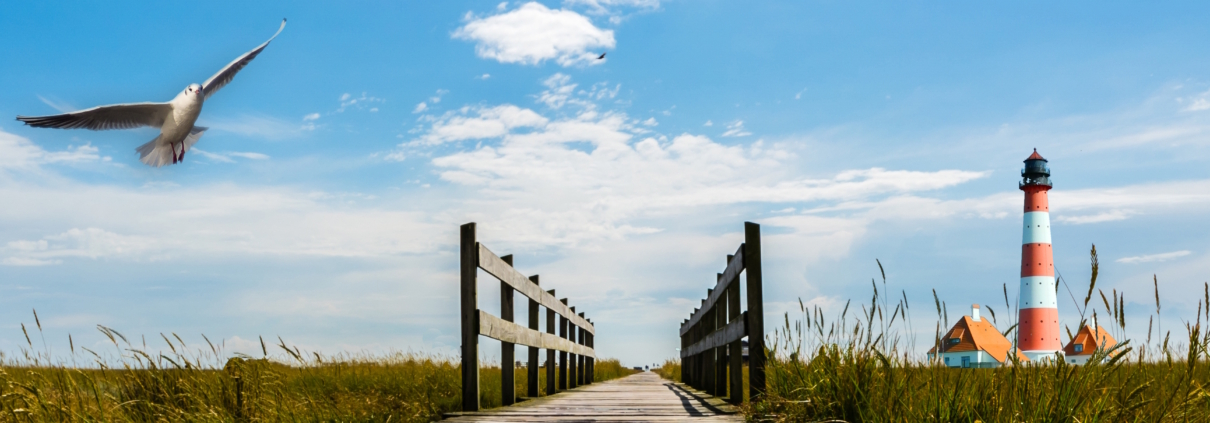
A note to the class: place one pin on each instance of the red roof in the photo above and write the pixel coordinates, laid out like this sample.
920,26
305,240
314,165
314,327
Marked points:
1035,156
977,335
1089,341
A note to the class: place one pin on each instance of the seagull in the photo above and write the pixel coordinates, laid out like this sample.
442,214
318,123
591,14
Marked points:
602,56
174,118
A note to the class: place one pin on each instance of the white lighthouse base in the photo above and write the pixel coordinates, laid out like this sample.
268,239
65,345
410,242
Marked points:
1042,356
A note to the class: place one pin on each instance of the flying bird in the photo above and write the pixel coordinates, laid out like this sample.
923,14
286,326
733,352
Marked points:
602,56
174,118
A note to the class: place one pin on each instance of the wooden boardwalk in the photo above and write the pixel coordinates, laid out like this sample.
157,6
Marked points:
643,397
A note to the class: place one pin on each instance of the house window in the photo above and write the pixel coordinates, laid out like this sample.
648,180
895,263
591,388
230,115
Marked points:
954,341
1079,348
966,362
947,360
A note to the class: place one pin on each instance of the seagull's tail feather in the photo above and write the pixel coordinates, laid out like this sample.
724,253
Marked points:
158,155
155,154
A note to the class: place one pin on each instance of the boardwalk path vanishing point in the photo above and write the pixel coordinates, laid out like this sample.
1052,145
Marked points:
640,397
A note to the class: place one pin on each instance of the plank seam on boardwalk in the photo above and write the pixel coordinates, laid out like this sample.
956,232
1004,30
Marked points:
639,397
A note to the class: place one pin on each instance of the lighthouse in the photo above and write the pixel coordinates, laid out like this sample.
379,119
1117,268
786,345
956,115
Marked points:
1038,323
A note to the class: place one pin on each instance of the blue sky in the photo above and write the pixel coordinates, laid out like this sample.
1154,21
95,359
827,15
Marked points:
323,204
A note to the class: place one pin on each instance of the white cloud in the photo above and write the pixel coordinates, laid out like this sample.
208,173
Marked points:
258,126
650,122
347,101
611,7
212,156
91,243
1108,216
153,223
60,105
226,157
484,77
312,116
487,122
533,33
558,89
437,98
1199,104
249,155
420,107
708,123
1154,257
798,95
17,152
736,129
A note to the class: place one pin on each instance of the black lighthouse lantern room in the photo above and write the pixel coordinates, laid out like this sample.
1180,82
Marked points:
1035,173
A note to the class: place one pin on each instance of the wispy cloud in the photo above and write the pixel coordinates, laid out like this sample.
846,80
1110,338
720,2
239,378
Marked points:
60,105
736,129
1108,216
226,157
1154,257
258,126
533,33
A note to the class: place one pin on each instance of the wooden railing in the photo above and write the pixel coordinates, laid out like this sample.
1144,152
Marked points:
711,338
574,341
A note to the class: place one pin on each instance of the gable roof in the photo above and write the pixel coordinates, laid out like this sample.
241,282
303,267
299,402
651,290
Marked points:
977,335
1090,341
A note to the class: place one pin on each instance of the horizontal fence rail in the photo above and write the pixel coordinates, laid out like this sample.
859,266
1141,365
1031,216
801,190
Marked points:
712,337
574,342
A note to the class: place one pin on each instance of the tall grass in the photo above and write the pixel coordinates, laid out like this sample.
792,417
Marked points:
857,368
198,385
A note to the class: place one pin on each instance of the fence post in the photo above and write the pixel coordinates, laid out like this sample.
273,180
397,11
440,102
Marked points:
592,361
580,365
470,318
531,367
708,328
736,355
551,377
756,312
563,354
720,353
508,350
572,357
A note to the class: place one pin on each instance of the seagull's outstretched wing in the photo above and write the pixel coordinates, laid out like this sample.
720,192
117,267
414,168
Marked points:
115,116
224,76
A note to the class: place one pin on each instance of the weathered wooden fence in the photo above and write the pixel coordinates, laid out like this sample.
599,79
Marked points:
711,338
574,341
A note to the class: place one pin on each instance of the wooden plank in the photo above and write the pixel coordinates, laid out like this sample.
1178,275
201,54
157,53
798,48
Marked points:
755,313
729,275
734,331
640,397
469,264
502,330
489,262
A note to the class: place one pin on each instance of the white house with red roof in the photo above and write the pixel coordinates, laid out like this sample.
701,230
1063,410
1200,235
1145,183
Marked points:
1086,342
973,343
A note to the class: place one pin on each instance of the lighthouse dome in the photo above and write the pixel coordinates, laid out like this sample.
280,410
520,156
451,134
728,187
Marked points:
1035,173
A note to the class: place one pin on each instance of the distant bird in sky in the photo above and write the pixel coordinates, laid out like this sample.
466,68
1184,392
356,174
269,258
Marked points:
602,56
174,118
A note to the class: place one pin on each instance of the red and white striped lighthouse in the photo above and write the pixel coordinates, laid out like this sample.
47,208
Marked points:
1038,327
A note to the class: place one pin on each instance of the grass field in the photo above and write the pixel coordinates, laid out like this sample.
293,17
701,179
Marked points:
183,386
857,367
